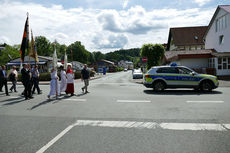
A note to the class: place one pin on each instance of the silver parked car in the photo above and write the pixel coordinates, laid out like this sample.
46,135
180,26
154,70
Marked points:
137,74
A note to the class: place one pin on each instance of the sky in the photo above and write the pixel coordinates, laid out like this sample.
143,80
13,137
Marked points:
103,25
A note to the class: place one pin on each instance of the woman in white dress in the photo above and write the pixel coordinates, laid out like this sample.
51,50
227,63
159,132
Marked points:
54,84
63,80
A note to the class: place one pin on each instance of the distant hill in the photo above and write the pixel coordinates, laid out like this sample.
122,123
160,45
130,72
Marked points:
123,54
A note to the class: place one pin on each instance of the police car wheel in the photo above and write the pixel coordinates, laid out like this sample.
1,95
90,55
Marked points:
206,86
159,86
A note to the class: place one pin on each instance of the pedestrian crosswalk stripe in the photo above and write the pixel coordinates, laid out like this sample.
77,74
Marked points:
138,125
14,97
154,125
205,101
133,101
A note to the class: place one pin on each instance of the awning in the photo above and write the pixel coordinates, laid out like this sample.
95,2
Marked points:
19,63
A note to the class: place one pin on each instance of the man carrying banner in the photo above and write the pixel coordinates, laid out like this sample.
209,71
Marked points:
26,77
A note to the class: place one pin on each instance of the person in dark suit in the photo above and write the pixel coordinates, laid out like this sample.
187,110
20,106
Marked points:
1,81
3,78
26,77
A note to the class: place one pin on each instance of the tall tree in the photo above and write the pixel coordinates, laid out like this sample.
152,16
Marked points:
43,45
9,53
98,56
154,53
77,52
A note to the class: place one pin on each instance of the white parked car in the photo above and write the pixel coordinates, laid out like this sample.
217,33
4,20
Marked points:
137,74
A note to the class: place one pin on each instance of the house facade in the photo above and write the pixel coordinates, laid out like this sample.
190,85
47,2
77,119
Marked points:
186,38
186,47
126,64
218,37
45,63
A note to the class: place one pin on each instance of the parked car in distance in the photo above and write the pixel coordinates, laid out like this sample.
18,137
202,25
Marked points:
125,70
162,77
137,74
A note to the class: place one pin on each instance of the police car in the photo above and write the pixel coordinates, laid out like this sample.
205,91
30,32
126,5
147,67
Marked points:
173,76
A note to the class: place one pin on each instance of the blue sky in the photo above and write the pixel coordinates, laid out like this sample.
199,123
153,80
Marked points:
103,24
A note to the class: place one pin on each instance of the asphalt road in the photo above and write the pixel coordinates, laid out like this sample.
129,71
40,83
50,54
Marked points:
118,116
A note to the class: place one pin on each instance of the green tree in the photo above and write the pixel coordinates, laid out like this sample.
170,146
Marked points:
9,53
154,53
98,56
43,45
91,59
79,53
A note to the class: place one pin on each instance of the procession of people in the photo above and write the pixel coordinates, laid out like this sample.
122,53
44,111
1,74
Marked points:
30,79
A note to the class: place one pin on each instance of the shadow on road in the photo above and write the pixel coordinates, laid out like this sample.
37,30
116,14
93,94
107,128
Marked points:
54,100
181,92
14,102
42,103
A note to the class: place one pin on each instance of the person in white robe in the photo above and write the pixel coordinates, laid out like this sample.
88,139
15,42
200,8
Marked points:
54,84
63,80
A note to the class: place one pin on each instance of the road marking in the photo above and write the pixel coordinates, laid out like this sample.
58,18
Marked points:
133,101
76,99
154,125
14,97
205,101
138,125
192,126
49,144
227,126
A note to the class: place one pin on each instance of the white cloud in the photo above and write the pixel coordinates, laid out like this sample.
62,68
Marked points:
97,28
125,3
4,39
201,2
105,41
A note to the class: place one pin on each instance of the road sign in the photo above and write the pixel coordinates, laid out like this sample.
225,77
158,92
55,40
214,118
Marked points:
144,59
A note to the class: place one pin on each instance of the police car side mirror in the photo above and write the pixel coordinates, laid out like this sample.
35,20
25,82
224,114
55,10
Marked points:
193,73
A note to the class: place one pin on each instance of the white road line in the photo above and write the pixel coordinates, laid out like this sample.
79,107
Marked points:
138,125
192,126
133,101
205,101
227,126
154,125
75,99
44,148
14,97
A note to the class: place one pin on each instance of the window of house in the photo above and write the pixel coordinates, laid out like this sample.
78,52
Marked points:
221,39
224,63
211,62
229,63
221,23
219,63
187,48
193,48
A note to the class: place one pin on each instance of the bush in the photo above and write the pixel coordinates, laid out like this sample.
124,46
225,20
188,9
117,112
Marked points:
45,77
119,69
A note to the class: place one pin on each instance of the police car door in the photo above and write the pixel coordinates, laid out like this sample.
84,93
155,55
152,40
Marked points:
185,77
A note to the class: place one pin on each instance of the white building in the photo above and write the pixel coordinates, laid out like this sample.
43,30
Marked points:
126,64
217,37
